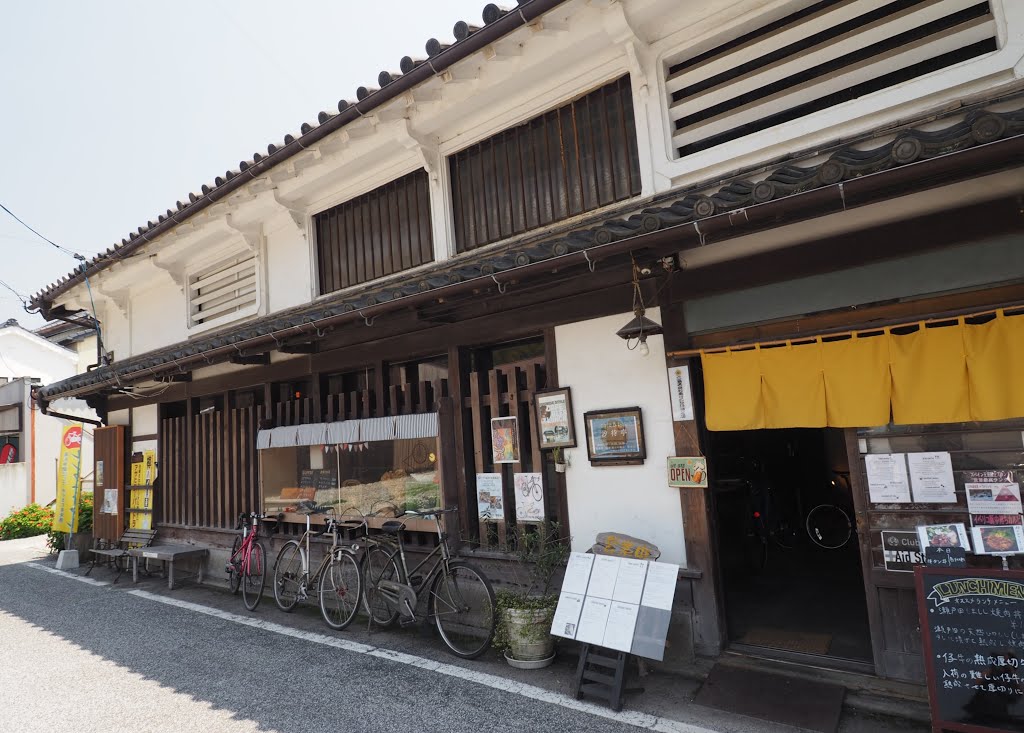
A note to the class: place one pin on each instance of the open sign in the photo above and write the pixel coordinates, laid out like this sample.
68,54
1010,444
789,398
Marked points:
688,472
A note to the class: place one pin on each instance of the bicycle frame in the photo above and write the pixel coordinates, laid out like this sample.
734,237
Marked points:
250,533
400,592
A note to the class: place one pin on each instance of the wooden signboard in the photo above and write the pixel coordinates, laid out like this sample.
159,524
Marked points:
971,624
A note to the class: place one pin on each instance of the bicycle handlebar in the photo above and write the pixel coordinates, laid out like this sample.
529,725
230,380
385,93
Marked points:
430,512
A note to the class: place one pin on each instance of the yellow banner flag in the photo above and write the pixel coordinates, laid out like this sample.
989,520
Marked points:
68,475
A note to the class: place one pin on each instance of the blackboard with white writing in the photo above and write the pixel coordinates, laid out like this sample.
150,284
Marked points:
972,622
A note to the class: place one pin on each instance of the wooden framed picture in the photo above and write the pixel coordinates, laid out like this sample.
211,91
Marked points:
555,427
615,437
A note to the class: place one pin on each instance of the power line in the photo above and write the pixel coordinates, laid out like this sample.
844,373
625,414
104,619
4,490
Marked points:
22,298
65,250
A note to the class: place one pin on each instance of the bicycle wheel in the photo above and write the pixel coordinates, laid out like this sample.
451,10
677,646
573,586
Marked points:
463,606
234,566
339,591
379,564
253,574
287,575
829,526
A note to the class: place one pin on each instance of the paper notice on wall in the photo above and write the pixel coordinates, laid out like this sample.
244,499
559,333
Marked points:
603,576
993,498
577,573
567,615
931,478
109,502
682,395
618,632
489,504
887,478
593,620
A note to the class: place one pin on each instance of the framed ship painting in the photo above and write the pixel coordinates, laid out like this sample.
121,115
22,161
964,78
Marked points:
615,437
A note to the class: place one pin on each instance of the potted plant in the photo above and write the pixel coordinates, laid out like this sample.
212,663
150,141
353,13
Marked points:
525,614
559,457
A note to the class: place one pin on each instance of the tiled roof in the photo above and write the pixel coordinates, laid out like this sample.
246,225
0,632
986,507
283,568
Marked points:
469,38
681,207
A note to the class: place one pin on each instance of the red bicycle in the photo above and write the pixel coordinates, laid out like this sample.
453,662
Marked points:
247,566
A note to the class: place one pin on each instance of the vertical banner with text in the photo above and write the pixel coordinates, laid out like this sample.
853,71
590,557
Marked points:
68,473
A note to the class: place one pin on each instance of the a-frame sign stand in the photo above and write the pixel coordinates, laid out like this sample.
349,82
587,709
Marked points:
602,673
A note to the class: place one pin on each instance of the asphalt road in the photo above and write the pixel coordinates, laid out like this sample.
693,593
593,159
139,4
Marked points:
82,657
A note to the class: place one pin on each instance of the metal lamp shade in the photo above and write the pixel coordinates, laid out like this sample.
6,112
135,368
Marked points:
641,325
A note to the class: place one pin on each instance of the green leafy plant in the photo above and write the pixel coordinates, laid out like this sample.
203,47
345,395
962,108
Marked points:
55,540
539,554
28,521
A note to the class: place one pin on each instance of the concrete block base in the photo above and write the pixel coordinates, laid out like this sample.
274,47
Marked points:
67,560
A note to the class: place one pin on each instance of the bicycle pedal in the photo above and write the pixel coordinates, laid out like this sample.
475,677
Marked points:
405,621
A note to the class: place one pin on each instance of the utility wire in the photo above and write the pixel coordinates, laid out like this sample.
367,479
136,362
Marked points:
65,250
22,298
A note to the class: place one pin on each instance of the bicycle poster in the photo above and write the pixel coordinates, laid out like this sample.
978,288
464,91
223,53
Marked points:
529,490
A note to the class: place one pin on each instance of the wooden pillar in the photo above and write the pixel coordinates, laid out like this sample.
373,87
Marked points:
697,504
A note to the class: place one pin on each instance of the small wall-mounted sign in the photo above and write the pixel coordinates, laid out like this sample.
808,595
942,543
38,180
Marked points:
901,551
688,473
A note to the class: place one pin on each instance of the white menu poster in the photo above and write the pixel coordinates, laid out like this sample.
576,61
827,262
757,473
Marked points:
887,478
682,395
629,585
602,577
660,588
593,620
931,477
567,615
577,573
618,633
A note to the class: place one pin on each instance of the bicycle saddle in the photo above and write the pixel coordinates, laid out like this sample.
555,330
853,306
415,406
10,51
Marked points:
392,526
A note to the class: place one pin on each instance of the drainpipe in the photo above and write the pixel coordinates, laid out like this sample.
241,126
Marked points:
32,454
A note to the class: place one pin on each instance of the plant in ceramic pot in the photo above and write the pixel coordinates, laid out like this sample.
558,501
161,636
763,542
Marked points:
525,613
559,458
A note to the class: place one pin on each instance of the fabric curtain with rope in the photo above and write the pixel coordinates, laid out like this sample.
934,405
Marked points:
948,372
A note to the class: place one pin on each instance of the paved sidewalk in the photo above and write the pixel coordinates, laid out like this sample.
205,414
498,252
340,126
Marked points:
417,657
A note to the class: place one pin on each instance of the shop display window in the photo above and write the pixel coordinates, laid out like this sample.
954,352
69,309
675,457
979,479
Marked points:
378,477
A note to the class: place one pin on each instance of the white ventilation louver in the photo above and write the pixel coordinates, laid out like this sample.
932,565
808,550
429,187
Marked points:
828,53
223,292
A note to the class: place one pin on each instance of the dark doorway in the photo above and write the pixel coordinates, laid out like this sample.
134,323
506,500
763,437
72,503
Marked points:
790,560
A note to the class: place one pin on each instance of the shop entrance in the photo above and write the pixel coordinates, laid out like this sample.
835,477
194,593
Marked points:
790,559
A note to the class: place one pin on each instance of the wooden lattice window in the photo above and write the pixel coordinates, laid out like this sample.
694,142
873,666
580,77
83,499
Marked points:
568,161
377,234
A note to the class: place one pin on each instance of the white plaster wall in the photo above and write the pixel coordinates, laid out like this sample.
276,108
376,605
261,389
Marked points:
24,354
157,317
287,268
636,500
14,479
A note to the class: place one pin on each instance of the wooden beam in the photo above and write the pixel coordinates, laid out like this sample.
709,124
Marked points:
251,359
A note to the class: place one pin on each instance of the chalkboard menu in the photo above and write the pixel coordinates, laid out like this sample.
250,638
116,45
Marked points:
972,622
318,478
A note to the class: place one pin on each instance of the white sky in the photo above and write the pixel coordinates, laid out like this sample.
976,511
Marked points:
112,111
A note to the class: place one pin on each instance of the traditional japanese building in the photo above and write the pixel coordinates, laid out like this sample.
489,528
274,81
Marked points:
815,207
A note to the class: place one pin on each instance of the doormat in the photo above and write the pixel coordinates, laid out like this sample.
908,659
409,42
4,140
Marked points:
802,703
794,641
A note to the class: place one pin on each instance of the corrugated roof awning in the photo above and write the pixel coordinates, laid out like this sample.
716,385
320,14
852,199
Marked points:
398,427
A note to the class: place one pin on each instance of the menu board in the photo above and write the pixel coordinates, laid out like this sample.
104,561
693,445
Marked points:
974,661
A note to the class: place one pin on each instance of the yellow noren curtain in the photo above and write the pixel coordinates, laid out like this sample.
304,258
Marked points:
929,376
732,384
792,386
995,355
857,382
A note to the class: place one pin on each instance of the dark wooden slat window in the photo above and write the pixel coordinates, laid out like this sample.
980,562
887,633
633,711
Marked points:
379,233
568,161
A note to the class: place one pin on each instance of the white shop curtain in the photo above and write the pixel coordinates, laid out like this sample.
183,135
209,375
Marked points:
350,431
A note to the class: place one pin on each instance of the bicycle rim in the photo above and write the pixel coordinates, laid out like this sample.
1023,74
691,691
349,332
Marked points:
253,575
234,565
340,591
378,565
287,574
463,606
829,526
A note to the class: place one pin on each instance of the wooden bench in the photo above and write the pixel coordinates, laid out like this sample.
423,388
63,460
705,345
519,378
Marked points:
132,538
167,554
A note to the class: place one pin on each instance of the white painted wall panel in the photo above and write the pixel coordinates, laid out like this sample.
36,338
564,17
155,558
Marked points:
157,317
602,373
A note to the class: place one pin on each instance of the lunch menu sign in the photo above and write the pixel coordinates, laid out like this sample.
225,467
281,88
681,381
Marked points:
972,624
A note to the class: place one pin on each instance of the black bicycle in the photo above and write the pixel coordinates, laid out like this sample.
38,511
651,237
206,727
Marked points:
460,598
